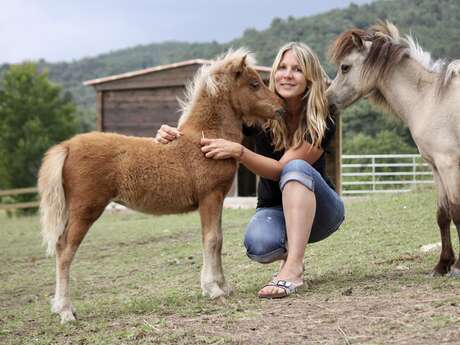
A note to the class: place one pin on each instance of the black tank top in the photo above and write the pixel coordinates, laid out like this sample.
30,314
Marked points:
268,191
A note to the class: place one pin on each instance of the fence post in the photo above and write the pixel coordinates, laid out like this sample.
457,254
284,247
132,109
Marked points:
373,173
414,171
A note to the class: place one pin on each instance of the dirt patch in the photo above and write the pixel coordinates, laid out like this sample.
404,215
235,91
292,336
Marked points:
411,316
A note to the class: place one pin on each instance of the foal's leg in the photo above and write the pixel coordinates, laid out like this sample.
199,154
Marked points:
447,256
213,281
68,243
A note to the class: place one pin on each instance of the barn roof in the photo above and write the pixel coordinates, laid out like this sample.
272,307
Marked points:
149,70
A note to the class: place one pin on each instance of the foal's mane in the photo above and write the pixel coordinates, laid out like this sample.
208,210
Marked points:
386,50
214,78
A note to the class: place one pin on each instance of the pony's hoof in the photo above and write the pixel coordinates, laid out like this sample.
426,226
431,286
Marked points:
435,274
228,290
56,306
213,291
67,316
454,272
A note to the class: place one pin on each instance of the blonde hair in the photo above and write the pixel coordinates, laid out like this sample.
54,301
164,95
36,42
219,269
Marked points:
312,121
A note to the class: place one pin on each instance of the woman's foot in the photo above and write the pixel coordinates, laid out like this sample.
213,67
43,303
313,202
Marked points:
283,288
293,276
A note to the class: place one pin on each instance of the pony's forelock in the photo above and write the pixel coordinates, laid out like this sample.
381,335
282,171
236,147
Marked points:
387,30
206,79
345,44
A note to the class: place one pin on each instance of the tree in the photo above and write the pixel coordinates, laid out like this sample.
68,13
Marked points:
385,142
34,115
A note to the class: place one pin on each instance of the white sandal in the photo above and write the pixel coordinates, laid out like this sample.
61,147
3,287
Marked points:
288,289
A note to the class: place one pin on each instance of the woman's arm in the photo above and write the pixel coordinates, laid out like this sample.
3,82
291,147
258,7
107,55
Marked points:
306,151
260,165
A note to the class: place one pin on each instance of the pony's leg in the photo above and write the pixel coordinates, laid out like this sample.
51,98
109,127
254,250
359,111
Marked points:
78,225
455,213
449,173
213,282
447,256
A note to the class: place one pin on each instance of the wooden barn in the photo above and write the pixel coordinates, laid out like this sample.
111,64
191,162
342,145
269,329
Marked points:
139,102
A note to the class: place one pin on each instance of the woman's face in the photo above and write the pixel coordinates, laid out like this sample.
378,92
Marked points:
290,81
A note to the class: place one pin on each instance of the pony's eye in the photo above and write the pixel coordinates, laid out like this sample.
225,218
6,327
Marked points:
345,68
254,83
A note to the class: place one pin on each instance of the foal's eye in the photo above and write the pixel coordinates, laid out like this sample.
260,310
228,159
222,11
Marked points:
254,83
345,68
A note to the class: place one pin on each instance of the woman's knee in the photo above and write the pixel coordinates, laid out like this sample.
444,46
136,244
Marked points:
297,170
263,246
297,165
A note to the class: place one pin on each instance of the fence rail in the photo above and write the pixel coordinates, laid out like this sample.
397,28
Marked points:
363,174
19,191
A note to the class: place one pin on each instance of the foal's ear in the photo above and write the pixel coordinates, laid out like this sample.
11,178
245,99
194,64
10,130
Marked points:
357,40
241,67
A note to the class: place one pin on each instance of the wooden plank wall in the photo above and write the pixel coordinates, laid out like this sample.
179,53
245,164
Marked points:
140,112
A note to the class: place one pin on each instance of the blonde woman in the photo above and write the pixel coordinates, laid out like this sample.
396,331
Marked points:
297,203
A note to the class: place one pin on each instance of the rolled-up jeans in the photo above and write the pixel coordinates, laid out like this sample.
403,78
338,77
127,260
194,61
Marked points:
265,238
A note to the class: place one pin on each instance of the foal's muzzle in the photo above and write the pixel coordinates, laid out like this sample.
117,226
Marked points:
333,108
281,112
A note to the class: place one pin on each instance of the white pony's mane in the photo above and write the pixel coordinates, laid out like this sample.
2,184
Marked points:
205,78
423,57
446,69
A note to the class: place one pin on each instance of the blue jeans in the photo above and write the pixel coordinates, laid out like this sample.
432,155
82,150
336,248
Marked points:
265,238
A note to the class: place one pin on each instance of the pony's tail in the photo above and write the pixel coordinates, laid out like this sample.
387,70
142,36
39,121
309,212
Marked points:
53,209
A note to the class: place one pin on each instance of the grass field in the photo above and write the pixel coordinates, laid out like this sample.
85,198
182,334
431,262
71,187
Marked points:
135,280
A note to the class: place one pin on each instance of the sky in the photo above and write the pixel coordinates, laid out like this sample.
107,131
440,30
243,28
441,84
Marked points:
62,30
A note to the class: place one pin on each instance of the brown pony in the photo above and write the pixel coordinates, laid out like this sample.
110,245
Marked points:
80,176
396,73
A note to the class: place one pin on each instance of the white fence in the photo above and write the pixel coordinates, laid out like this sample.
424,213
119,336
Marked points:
363,174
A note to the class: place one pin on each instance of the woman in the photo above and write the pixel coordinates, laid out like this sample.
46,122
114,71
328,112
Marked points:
297,203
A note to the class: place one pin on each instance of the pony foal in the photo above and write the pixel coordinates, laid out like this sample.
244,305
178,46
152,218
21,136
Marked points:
80,176
397,74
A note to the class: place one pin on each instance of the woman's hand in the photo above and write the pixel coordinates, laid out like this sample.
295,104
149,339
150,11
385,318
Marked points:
166,134
221,149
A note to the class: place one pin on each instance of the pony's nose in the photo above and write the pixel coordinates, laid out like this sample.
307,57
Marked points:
333,108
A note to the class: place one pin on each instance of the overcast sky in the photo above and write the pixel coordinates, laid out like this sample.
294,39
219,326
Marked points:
62,30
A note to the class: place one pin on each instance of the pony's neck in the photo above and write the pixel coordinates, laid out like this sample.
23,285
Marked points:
406,87
215,118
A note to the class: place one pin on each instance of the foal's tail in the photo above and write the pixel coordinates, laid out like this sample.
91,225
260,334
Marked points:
53,209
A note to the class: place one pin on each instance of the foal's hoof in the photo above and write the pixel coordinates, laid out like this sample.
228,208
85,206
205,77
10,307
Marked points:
213,291
67,316
228,290
454,272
